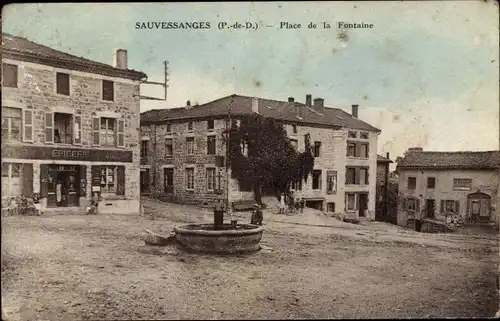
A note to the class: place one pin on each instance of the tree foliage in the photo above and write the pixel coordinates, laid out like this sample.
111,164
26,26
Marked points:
260,151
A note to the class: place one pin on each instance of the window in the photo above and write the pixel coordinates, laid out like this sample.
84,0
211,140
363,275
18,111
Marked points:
450,206
108,90
330,207
190,126
190,178
331,181
431,182
11,124
351,201
210,179
363,135
9,73
12,184
317,149
294,129
144,148
169,128
169,151
413,204
211,145
210,125
352,134
351,150
168,174
296,186
108,175
63,128
363,176
363,150
462,184
294,143
316,179
412,182
108,131
190,145
62,84
350,177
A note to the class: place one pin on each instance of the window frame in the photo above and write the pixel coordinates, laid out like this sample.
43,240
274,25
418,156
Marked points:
9,125
188,141
16,73
9,165
408,183
190,124
71,126
210,121
433,179
355,204
186,177
144,151
214,179
115,132
103,81
351,144
317,148
320,172
69,84
107,168
212,138
171,147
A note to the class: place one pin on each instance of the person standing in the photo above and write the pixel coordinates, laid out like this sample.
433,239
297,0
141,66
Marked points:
302,204
257,216
282,204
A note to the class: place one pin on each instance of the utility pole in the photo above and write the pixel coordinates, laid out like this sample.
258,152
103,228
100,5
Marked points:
228,154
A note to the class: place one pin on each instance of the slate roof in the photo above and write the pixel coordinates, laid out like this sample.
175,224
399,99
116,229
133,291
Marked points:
15,47
451,160
281,110
382,159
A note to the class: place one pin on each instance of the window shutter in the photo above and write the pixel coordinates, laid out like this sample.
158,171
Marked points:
77,129
121,133
457,206
96,124
417,205
120,180
442,206
356,176
319,180
367,151
28,126
49,127
44,175
367,177
27,178
83,180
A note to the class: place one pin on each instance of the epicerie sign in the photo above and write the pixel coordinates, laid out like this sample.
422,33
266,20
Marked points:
71,154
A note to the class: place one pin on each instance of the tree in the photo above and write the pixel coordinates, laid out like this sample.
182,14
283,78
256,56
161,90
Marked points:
260,151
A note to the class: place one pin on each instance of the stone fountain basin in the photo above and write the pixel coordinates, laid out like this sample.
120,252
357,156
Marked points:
203,238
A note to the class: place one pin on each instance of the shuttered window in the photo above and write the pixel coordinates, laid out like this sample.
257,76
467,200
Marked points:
77,128
96,125
28,126
121,133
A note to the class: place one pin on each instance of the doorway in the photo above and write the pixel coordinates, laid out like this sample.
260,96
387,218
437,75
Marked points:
363,204
63,186
479,207
430,208
144,180
168,179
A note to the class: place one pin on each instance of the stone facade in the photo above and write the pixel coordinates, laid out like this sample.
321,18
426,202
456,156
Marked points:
333,157
485,182
36,92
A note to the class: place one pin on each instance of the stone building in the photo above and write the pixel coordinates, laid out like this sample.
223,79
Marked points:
70,128
434,183
183,152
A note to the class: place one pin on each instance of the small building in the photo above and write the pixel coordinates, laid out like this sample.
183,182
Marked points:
435,183
183,151
69,128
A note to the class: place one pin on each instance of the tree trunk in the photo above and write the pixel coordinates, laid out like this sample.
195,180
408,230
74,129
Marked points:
257,192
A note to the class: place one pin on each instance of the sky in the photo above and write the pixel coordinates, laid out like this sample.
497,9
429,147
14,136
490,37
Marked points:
426,74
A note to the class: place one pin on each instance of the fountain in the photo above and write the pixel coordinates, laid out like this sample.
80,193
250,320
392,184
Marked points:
219,238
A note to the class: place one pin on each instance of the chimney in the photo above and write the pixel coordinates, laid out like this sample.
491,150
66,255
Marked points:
188,103
291,99
121,59
255,105
309,100
318,103
354,111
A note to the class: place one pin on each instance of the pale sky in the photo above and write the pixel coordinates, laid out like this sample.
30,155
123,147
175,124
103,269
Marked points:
426,74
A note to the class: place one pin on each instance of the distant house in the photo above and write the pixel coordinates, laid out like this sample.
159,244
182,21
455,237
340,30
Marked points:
434,183
383,172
